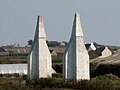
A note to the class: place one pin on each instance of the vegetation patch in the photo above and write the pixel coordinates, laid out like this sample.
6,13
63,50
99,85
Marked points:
105,69
101,82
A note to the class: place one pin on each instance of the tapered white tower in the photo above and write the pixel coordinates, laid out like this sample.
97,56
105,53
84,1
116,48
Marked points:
76,59
39,58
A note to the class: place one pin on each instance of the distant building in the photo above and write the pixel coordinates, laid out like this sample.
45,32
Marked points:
105,52
3,52
20,69
53,53
63,43
16,51
57,51
11,50
112,59
91,46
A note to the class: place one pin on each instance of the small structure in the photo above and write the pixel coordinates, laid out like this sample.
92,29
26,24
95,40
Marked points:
53,53
112,59
39,59
105,52
91,46
76,58
20,69
57,51
3,52
14,51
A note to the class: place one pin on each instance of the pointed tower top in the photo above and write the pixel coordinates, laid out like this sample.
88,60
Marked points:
40,28
77,28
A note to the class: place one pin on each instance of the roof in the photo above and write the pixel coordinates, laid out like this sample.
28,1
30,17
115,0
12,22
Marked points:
89,44
25,50
58,49
13,68
112,59
17,50
4,53
2,49
99,50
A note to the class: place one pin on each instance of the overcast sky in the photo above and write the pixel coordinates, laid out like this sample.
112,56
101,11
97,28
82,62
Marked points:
100,20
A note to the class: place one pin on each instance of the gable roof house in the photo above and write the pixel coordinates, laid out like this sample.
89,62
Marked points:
16,50
3,52
57,51
100,52
112,59
53,52
104,52
91,46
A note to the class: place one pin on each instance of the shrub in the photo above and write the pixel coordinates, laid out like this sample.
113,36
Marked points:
57,75
94,84
13,84
57,67
99,85
56,59
107,68
93,67
106,82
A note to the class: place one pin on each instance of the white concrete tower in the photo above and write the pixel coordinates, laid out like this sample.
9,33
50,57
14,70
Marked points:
75,58
39,58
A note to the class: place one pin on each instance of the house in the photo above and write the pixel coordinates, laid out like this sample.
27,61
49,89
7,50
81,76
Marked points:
62,43
91,46
53,52
100,52
3,52
105,52
14,51
112,59
57,51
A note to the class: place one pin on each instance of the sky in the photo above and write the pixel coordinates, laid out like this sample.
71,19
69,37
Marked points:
100,20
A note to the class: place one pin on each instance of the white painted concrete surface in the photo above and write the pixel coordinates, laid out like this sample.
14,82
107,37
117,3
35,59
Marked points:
39,59
76,59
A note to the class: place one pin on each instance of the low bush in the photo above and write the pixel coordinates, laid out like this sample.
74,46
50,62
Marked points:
94,84
8,83
57,75
13,59
57,67
98,85
106,82
105,69
56,59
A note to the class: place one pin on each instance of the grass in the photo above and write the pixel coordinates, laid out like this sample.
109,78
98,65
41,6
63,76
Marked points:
13,59
102,82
